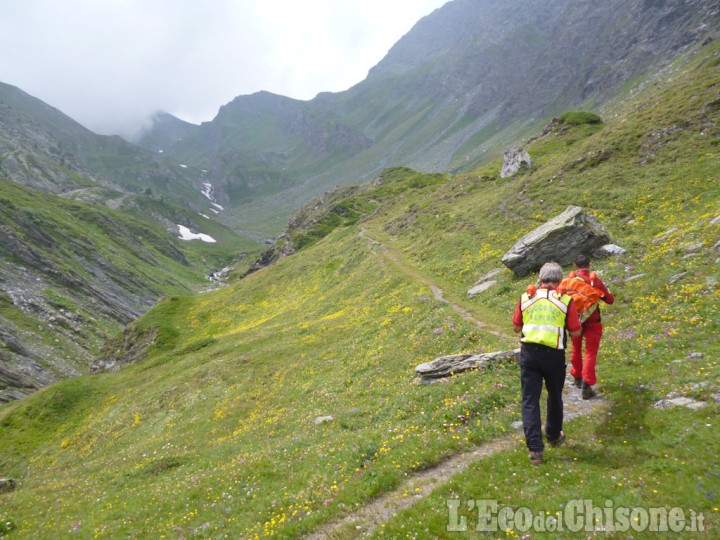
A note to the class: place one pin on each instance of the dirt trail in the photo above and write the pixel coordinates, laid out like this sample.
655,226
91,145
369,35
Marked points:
437,291
364,521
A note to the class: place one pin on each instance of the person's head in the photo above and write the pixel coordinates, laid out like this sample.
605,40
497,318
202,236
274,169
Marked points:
551,273
582,261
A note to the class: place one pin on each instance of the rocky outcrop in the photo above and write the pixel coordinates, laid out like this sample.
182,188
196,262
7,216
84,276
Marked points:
12,377
446,366
514,160
561,240
132,347
70,274
312,222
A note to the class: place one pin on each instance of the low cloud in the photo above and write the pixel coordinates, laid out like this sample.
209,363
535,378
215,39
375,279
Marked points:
112,65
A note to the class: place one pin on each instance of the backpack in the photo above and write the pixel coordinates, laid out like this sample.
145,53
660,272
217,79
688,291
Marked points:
585,297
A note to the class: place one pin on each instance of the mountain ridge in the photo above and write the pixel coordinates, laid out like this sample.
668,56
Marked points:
45,149
466,80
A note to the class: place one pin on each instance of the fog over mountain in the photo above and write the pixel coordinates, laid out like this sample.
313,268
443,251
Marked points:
112,65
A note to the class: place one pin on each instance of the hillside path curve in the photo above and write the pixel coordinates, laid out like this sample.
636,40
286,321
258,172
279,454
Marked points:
436,290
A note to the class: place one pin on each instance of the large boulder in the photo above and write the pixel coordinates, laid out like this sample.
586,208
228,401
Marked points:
514,160
561,240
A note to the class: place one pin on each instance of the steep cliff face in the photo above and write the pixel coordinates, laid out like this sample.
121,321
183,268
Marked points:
466,80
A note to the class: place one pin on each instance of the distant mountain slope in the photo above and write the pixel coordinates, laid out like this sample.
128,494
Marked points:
40,147
466,80
73,273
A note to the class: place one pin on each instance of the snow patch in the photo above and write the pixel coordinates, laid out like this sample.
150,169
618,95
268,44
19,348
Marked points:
186,234
183,166
207,190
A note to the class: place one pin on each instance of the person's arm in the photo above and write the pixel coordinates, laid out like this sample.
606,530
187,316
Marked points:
517,319
573,321
607,296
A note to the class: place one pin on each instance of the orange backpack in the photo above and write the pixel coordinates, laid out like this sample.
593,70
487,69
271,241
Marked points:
585,297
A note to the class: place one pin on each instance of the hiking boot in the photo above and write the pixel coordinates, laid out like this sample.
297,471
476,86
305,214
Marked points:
578,382
557,442
536,457
587,391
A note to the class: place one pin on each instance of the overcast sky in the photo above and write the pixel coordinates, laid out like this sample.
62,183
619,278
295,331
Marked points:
110,64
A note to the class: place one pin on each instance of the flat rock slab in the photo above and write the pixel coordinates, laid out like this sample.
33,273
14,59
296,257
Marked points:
680,402
445,366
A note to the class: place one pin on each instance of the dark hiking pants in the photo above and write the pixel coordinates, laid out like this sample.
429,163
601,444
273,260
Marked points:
537,364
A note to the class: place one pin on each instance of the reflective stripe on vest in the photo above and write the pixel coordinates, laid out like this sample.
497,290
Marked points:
544,318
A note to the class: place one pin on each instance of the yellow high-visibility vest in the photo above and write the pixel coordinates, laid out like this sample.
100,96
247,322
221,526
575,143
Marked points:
544,318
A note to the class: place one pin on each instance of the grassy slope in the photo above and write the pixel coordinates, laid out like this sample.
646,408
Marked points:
215,433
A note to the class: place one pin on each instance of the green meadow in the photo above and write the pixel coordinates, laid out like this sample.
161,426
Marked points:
287,400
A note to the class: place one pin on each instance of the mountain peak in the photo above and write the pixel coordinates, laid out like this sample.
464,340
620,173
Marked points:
466,78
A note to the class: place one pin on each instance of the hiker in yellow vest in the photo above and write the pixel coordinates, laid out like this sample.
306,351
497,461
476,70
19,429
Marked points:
544,317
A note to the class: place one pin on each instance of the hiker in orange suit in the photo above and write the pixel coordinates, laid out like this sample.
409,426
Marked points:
583,369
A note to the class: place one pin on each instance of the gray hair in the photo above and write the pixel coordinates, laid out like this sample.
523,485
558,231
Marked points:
551,273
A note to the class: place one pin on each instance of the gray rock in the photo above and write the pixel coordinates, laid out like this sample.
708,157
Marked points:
322,419
561,240
664,236
13,394
484,286
514,160
12,377
715,220
490,275
218,276
484,283
677,277
680,402
609,249
446,366
7,485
